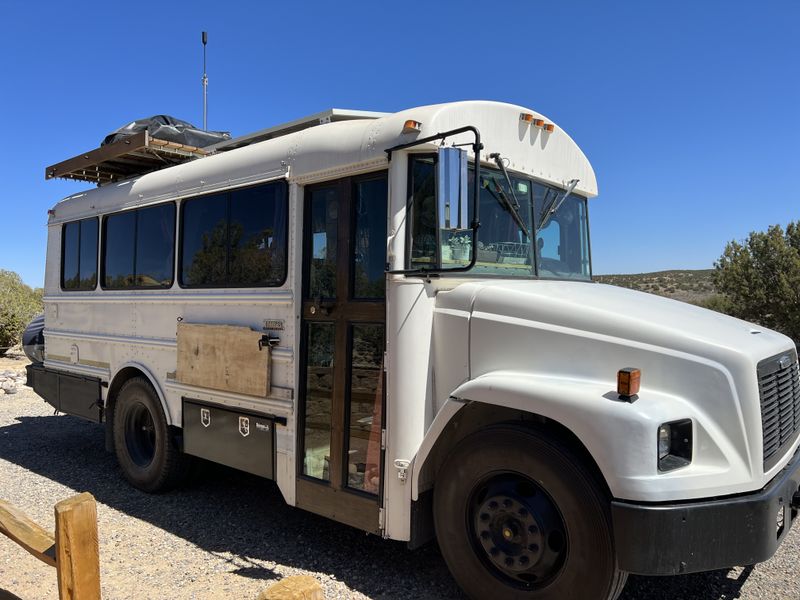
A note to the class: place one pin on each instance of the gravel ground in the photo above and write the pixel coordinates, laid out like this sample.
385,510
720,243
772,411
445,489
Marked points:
229,535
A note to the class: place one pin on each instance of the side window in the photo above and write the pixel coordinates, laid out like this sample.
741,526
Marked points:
138,248
155,246
257,237
422,203
235,239
79,255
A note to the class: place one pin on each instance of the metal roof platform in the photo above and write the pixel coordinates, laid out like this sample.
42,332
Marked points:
135,155
140,153
332,115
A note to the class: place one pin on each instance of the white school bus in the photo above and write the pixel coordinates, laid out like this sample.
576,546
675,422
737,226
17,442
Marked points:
393,317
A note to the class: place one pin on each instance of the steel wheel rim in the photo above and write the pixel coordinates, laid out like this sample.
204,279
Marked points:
517,531
140,435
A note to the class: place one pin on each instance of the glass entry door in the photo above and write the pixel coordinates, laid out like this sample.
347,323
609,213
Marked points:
343,331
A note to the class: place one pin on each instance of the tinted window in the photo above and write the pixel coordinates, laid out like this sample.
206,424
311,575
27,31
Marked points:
79,255
139,247
204,240
118,239
69,265
324,247
88,258
155,246
423,213
236,239
369,246
257,237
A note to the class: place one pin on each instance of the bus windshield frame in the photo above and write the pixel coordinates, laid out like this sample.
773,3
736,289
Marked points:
504,248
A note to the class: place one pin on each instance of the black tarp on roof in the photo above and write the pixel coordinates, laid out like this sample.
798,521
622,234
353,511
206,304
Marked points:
164,127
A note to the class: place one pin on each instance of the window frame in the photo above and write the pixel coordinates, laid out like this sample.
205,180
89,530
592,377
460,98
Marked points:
80,237
284,187
439,272
104,247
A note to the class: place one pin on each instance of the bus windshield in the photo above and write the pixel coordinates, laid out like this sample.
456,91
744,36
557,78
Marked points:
510,217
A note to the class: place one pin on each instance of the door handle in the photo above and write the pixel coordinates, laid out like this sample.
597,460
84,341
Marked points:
322,307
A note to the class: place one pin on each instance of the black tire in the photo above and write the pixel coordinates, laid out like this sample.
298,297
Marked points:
145,451
518,516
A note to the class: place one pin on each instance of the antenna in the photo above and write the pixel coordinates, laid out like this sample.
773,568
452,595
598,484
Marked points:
205,84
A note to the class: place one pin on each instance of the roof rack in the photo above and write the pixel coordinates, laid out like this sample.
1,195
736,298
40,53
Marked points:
140,153
134,155
332,115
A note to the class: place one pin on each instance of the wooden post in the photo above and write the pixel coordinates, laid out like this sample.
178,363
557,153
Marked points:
77,549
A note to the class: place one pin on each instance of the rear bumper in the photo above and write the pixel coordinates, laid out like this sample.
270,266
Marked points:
668,539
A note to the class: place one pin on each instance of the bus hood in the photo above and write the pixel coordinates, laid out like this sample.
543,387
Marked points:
554,348
615,316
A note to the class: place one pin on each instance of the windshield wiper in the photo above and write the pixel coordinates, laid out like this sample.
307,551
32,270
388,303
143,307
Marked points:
513,208
550,209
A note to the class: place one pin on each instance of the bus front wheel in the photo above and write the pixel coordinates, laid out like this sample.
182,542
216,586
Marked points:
145,452
518,516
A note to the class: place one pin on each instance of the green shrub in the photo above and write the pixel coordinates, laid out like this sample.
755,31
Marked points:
18,305
760,278
717,302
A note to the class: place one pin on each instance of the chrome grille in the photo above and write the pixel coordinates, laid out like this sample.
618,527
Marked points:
779,391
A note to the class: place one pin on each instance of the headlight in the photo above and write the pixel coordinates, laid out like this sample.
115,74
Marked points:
674,445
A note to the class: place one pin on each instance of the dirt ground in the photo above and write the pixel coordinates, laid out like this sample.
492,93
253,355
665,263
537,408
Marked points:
230,535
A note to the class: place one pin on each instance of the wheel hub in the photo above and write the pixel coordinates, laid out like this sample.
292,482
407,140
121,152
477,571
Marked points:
509,533
517,530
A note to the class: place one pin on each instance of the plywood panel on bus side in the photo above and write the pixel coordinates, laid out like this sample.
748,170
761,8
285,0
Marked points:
223,357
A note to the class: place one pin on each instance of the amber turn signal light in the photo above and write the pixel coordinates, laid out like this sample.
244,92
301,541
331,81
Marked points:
412,126
628,380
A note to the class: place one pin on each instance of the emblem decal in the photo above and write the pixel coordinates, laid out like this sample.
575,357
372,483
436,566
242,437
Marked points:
205,417
244,426
785,361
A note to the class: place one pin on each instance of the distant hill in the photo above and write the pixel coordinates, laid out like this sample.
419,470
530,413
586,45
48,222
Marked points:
687,285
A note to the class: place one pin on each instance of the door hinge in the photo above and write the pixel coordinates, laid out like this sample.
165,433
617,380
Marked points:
381,519
383,439
385,362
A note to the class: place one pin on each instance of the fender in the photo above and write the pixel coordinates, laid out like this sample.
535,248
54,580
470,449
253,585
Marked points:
621,436
153,381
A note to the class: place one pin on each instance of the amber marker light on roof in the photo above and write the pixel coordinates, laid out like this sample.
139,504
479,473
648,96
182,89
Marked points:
412,126
549,127
527,117
538,122
628,380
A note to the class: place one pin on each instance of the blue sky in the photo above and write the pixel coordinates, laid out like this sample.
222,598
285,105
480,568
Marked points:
688,110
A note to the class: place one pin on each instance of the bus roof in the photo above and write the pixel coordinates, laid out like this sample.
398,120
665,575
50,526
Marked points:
353,141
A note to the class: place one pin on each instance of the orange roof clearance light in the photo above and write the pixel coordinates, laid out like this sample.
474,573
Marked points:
628,380
549,127
538,122
527,117
412,126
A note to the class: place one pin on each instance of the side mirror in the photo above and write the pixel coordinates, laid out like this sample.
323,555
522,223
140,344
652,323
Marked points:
452,195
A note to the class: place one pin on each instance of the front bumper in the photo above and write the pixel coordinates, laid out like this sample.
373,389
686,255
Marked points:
689,537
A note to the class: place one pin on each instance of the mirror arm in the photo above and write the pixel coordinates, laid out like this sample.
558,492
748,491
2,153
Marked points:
477,146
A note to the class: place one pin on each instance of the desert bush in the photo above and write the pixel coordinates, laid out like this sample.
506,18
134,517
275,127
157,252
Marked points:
18,305
760,278
717,302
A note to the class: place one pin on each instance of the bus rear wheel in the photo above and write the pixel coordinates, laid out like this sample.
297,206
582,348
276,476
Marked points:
518,516
145,451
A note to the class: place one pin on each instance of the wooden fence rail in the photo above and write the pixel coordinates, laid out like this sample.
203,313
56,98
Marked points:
73,550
